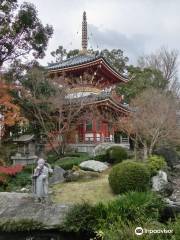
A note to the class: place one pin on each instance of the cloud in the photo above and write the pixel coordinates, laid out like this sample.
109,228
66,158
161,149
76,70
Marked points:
132,46
135,26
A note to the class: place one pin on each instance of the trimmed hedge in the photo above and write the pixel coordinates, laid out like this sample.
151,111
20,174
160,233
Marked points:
68,162
116,154
155,163
129,176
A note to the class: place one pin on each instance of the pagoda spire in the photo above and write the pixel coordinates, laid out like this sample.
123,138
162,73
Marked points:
84,33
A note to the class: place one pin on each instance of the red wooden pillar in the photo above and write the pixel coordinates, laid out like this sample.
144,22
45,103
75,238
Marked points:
84,130
94,130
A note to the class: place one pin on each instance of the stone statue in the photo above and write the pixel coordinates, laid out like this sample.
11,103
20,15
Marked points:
40,180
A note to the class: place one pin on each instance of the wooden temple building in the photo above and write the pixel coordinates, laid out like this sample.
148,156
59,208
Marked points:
99,92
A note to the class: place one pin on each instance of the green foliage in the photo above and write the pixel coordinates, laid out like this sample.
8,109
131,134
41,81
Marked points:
21,225
129,176
17,182
116,59
68,162
126,212
169,154
176,229
22,32
141,80
155,163
6,150
22,179
116,154
52,157
101,158
135,206
120,231
81,218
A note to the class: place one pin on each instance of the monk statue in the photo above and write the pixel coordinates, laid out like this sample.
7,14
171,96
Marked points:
40,181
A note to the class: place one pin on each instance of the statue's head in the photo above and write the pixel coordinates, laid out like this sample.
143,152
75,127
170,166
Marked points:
41,162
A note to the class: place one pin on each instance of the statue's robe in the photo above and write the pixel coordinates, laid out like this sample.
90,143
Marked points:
41,183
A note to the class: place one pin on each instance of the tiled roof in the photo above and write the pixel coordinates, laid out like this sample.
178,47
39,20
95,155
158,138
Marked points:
82,59
76,60
98,98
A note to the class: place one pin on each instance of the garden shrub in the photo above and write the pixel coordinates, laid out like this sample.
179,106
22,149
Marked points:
132,206
122,231
170,155
128,210
80,219
116,154
52,157
129,176
155,163
68,162
22,179
101,158
14,177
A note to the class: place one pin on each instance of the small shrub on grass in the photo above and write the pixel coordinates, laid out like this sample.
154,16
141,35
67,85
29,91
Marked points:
68,162
155,163
101,158
80,219
129,176
52,157
170,155
22,179
116,154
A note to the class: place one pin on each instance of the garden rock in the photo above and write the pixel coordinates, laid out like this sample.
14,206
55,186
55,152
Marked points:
170,211
58,176
101,148
93,165
160,184
20,206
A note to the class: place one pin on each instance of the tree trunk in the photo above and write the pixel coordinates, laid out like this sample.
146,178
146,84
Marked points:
145,152
135,148
150,151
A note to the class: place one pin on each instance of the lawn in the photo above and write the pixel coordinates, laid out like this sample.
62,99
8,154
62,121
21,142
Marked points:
92,191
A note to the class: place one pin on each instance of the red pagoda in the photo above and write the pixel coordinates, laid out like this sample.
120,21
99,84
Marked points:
93,130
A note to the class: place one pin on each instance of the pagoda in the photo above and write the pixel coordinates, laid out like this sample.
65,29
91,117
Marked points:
91,130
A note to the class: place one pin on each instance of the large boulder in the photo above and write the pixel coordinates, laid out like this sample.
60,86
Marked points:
21,206
160,184
93,165
159,181
58,176
101,148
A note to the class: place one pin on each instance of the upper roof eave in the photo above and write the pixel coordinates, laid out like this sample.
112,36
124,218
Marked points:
87,63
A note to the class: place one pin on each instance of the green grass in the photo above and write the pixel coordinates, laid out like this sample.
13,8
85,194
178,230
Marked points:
92,191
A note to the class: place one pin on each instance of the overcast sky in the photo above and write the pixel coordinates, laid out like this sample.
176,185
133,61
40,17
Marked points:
136,26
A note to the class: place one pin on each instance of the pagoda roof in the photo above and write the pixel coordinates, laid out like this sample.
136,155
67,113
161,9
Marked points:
83,61
73,61
103,99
